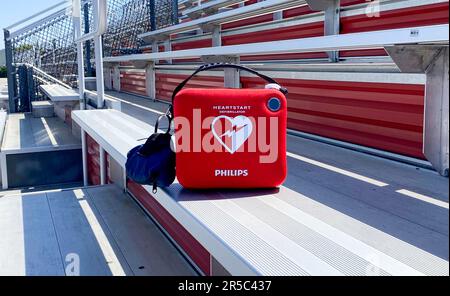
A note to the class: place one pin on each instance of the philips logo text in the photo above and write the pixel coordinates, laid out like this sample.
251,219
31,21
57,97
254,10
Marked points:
231,173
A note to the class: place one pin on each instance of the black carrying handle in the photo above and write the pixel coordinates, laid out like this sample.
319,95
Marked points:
209,67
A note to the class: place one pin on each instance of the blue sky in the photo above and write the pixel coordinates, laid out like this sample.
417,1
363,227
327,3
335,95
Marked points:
12,11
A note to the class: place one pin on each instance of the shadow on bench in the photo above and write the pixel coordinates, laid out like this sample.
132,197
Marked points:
332,217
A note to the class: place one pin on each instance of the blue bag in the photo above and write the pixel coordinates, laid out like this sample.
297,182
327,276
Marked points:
154,162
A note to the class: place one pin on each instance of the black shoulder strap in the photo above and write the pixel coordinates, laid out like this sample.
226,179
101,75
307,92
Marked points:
209,67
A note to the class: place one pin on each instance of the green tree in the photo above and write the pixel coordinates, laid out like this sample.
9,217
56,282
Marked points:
3,72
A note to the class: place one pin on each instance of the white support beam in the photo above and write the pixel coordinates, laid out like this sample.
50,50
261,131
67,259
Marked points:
216,36
232,78
332,11
116,77
168,48
150,80
108,77
332,24
436,127
437,34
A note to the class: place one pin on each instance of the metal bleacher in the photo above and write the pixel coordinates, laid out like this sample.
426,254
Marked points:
210,7
428,35
250,212
429,40
345,209
259,8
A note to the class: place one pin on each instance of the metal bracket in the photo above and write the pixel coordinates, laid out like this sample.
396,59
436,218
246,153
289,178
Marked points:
232,78
436,123
431,60
109,64
414,58
209,59
141,64
208,28
320,5
155,38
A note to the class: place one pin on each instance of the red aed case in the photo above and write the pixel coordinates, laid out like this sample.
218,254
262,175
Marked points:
230,138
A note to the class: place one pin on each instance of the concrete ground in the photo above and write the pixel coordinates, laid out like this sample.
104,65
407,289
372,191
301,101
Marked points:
92,232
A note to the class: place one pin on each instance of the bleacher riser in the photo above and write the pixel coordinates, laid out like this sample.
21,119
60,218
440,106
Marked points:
298,24
348,111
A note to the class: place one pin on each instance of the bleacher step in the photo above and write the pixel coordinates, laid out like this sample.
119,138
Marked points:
45,109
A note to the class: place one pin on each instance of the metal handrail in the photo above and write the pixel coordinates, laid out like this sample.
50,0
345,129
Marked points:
46,76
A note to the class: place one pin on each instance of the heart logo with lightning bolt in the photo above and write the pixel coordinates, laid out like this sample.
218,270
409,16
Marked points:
241,129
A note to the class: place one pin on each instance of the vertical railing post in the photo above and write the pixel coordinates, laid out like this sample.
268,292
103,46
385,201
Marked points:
89,71
10,72
332,25
98,44
152,8
175,18
31,88
80,59
24,99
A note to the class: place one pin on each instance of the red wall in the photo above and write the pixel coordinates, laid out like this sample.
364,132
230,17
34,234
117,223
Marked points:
166,83
383,116
133,82
93,161
199,255
379,115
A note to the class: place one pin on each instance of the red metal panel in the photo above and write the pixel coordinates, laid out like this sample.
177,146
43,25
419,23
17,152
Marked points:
293,32
184,239
93,161
297,11
379,115
133,82
400,18
247,22
166,83
191,45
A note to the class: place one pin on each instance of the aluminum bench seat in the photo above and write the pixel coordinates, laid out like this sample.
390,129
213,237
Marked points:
335,215
31,145
435,35
209,7
58,93
256,9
